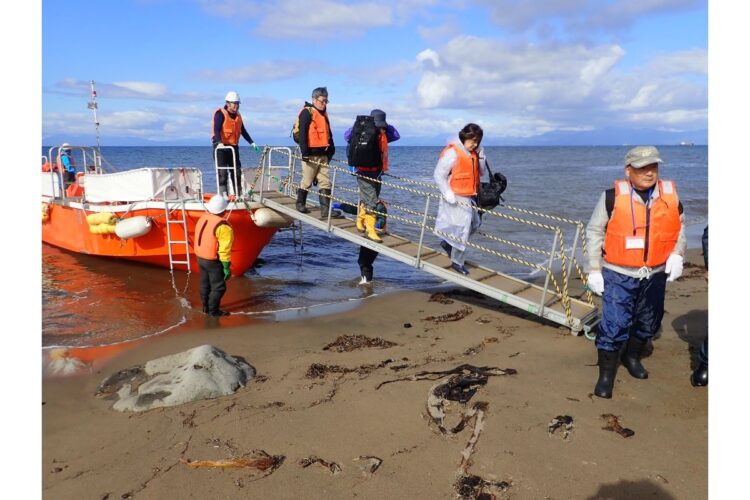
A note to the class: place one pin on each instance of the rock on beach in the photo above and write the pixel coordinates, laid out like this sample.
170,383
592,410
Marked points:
204,372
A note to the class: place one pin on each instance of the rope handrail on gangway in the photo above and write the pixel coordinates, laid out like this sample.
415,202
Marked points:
553,303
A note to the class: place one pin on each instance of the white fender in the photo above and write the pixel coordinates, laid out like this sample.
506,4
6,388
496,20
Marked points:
133,227
265,217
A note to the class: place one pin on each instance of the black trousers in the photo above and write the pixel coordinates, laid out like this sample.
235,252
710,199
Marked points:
365,260
224,159
212,286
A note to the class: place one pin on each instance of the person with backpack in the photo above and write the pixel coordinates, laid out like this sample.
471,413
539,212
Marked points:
313,134
635,242
457,174
367,152
227,129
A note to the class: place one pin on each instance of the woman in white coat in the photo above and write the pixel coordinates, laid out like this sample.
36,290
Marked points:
457,174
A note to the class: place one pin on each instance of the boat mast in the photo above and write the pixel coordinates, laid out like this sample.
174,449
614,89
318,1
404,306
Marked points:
94,106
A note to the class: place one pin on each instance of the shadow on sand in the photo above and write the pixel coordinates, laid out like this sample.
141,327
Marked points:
627,490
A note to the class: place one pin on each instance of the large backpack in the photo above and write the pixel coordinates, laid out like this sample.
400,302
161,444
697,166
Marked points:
295,128
364,143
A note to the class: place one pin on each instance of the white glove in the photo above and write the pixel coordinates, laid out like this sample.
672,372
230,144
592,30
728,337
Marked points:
450,197
596,282
674,267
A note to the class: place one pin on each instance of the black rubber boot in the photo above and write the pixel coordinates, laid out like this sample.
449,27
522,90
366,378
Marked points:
607,371
325,202
699,378
301,200
631,357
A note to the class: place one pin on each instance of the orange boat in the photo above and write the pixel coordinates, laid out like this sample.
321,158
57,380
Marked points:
145,215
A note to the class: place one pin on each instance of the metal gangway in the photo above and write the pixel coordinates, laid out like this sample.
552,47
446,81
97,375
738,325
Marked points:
274,185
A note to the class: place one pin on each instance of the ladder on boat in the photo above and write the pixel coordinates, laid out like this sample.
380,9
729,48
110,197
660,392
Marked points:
551,301
177,208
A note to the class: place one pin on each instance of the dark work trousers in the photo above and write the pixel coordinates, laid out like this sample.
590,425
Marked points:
369,192
366,258
224,159
630,307
212,285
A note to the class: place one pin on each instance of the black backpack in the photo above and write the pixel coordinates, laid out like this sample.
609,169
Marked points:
364,147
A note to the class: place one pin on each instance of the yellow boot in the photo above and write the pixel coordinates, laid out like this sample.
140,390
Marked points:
361,218
370,227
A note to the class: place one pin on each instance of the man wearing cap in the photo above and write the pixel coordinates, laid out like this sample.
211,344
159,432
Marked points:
227,129
636,243
213,240
317,149
368,177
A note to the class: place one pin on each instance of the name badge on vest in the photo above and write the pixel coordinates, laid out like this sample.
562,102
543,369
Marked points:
635,243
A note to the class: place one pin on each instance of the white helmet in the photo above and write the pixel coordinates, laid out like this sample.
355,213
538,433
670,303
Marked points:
232,97
65,147
217,204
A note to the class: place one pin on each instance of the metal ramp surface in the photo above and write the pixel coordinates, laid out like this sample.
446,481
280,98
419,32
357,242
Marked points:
578,315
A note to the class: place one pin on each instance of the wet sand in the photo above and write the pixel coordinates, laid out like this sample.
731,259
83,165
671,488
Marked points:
92,451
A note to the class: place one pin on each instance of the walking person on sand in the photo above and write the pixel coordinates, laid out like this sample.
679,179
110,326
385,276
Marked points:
636,243
457,174
213,241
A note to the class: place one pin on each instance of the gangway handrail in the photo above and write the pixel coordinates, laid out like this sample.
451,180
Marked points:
558,251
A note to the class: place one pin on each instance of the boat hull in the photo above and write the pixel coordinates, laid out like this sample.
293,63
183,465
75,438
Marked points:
66,227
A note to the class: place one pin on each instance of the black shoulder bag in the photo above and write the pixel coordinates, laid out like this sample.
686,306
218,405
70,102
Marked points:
489,195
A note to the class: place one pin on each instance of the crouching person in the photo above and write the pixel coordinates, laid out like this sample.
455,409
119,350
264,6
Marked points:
636,244
213,246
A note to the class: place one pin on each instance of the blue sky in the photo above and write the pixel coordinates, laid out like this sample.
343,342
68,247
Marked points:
607,71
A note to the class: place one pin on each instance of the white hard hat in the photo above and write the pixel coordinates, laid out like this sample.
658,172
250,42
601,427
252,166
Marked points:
65,146
217,204
232,97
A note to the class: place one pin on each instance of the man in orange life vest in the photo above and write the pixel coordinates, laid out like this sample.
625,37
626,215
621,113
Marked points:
213,246
227,129
317,149
636,243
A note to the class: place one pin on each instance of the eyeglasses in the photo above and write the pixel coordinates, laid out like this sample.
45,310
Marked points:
323,100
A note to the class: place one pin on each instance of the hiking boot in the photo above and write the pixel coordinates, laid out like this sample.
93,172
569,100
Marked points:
219,313
459,268
631,358
607,370
370,228
301,200
699,377
361,218
324,195
447,247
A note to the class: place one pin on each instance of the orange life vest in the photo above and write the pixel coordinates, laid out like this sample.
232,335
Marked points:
318,131
205,241
625,245
464,178
384,149
231,129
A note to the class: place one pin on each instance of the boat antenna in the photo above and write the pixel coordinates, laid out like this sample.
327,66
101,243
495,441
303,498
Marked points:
94,106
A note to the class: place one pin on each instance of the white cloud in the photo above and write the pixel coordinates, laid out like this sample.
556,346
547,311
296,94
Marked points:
322,19
264,71
152,91
538,88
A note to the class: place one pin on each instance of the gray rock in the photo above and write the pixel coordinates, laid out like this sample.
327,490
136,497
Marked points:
204,372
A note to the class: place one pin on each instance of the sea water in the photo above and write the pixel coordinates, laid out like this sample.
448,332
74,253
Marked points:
90,301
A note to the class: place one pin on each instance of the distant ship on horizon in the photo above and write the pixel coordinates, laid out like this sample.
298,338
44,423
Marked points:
686,143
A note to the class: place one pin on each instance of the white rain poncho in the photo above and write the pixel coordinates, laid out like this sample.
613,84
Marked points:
456,220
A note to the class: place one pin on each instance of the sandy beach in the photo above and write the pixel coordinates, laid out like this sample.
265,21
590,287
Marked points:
311,422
